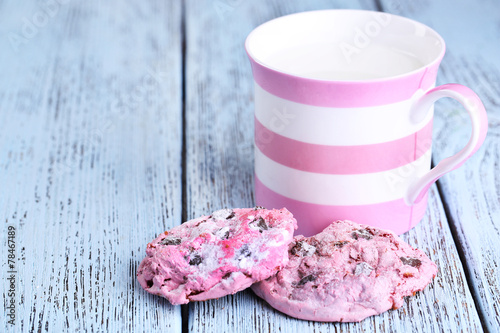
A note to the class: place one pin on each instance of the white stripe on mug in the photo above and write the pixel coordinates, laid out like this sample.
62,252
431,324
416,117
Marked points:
321,125
357,189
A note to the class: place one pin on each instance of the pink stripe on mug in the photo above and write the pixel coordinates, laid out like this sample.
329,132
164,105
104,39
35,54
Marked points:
337,60
394,215
343,160
341,94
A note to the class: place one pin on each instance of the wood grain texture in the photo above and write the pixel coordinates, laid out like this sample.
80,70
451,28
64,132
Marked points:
90,160
471,193
219,113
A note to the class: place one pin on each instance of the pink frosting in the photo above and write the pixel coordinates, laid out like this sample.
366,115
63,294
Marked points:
213,256
346,273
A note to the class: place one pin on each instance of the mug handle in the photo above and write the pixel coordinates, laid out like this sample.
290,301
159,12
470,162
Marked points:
471,102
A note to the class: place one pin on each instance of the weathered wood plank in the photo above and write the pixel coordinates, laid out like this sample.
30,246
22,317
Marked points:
471,193
90,160
219,113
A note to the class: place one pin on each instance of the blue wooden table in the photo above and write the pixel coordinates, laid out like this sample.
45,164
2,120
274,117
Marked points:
121,119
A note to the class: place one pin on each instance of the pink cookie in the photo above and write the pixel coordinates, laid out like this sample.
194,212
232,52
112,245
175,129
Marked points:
213,256
346,273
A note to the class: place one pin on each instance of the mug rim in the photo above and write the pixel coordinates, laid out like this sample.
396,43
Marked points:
433,62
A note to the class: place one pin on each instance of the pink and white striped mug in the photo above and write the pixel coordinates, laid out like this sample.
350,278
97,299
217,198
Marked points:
343,117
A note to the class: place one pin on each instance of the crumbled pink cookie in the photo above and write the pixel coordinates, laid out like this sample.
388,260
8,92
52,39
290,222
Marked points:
346,273
213,256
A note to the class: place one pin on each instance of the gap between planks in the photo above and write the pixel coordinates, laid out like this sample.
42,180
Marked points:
184,307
